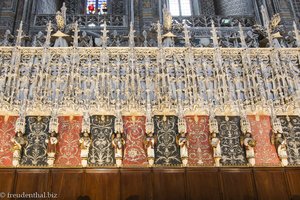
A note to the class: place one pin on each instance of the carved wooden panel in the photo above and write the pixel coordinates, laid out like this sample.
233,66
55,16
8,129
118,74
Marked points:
265,152
68,151
30,181
232,151
136,184
102,184
291,131
36,132
101,150
166,150
7,132
134,152
7,178
169,184
293,177
67,183
272,180
205,178
237,184
199,148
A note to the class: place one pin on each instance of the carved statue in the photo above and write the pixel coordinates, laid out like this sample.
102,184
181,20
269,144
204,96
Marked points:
85,40
150,142
118,143
51,147
279,141
282,151
60,21
182,142
39,40
215,141
216,144
85,143
249,144
19,142
167,19
7,39
246,140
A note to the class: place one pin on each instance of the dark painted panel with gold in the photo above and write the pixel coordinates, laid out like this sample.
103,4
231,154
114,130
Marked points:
36,132
101,151
166,150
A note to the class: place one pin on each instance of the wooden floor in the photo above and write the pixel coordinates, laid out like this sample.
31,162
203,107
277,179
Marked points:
157,183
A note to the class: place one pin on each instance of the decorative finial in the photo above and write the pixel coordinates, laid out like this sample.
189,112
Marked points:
145,38
159,37
20,34
242,36
214,34
75,37
48,36
186,35
131,35
296,31
265,16
64,11
104,35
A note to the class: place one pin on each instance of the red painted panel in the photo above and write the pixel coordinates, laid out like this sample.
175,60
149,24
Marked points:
199,148
134,153
265,152
68,151
7,132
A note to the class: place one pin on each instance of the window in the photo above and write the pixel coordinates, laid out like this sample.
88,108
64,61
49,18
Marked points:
96,7
180,7
297,7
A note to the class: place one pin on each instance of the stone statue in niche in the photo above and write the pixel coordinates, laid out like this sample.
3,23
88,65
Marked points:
118,143
85,40
150,142
51,147
19,143
215,141
7,39
183,142
39,40
85,143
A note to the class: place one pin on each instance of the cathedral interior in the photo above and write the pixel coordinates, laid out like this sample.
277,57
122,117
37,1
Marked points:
150,99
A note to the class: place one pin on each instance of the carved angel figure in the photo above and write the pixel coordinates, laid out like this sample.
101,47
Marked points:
183,142
149,143
282,150
51,147
19,143
249,144
216,144
85,143
118,143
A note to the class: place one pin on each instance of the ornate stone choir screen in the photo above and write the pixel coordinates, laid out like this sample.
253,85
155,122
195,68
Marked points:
173,103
